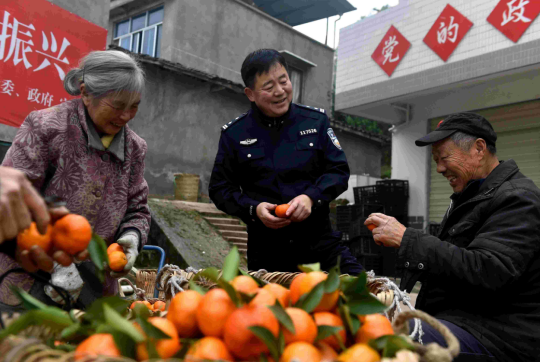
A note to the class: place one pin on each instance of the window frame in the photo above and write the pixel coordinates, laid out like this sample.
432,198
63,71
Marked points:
141,31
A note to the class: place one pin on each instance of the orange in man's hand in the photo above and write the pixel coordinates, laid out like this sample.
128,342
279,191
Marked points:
31,236
371,226
114,247
72,234
281,210
117,261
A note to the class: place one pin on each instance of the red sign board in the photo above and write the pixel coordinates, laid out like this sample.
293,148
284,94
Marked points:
513,17
447,32
39,43
391,50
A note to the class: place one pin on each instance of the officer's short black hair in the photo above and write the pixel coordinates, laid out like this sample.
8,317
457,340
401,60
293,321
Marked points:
259,62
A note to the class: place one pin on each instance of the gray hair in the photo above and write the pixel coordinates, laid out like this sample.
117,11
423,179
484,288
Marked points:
465,142
104,73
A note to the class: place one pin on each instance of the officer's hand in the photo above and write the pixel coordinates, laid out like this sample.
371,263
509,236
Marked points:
269,220
300,208
388,232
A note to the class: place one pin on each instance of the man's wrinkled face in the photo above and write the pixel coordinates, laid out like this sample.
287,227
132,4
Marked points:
457,165
272,91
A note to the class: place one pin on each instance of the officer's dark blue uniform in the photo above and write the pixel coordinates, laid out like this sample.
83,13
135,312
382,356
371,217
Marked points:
274,160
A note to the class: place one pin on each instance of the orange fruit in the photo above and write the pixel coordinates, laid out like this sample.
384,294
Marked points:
371,226
359,352
144,302
101,344
165,348
304,325
281,293
300,352
114,247
31,236
245,284
214,309
72,234
117,261
159,305
240,341
373,327
208,348
264,298
330,319
305,282
182,313
328,354
281,210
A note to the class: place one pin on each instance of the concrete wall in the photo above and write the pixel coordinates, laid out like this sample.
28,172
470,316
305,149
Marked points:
95,11
363,155
215,37
181,118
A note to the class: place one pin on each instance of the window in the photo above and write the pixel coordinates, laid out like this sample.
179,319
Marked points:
296,76
141,33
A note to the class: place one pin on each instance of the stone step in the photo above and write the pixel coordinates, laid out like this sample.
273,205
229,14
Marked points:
240,245
211,213
234,239
228,227
222,220
237,234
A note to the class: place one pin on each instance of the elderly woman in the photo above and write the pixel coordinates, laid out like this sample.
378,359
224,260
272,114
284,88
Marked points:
84,152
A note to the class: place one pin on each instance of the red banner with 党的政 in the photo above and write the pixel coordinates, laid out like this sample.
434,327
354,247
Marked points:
39,43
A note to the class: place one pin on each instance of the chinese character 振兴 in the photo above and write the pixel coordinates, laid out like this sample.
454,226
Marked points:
7,87
449,32
17,47
515,13
55,57
388,50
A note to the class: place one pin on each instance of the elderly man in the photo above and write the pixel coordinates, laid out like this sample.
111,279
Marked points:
481,274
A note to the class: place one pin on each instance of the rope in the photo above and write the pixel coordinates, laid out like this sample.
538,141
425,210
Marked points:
432,352
139,293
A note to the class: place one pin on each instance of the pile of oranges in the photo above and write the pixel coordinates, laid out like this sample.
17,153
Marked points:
212,326
71,234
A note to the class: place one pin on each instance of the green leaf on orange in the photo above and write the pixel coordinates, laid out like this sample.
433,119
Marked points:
282,316
389,345
308,268
268,339
230,265
311,300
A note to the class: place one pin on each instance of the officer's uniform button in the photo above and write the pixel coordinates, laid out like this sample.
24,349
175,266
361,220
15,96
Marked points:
420,266
407,264
105,157
311,144
249,156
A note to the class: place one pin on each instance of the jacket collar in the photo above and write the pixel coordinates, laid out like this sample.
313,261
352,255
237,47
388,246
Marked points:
94,141
271,121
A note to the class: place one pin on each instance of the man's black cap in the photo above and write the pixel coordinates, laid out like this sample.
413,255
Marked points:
470,123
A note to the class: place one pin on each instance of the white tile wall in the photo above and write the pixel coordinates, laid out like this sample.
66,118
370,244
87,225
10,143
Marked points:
414,18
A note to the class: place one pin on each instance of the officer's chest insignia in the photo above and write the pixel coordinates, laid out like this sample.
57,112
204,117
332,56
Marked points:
333,138
308,132
248,142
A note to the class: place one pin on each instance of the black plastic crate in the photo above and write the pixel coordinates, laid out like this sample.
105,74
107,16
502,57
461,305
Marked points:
400,187
367,194
434,228
371,262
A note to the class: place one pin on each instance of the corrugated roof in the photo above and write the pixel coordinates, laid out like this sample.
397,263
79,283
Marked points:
297,12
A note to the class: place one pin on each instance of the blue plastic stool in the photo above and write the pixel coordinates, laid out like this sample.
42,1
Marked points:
161,262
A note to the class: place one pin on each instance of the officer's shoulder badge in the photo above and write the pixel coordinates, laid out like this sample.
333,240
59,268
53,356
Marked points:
228,125
321,110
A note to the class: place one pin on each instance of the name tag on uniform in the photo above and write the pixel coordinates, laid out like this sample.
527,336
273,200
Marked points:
248,142
308,131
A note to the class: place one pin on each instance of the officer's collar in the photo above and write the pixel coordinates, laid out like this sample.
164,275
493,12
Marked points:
270,121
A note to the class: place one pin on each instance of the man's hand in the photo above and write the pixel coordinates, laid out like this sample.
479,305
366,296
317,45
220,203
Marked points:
300,208
388,232
269,220
36,258
129,241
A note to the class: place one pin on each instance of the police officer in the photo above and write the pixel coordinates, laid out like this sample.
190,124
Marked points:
281,152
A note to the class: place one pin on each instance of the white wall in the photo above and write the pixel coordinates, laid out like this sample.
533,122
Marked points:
414,18
357,181
409,162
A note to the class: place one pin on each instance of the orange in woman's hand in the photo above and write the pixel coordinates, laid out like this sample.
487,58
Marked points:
114,247
281,210
31,236
72,234
371,226
117,261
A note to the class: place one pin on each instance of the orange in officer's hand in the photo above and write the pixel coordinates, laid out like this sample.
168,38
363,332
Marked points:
31,236
371,226
281,210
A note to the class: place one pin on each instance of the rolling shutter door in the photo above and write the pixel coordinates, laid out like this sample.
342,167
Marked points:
518,135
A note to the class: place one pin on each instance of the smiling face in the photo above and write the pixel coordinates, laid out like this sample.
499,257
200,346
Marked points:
111,113
457,165
272,91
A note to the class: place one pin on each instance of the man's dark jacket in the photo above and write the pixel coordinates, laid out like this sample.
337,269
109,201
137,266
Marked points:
482,272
